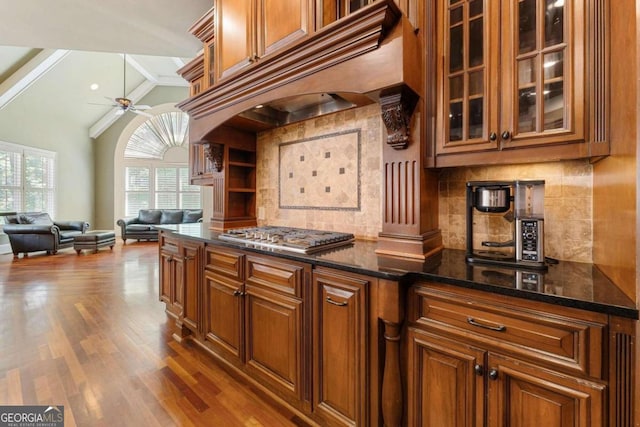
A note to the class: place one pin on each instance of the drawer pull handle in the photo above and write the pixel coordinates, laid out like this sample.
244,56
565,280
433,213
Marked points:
339,304
498,328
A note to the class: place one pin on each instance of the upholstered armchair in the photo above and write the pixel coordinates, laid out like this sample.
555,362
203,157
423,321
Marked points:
36,231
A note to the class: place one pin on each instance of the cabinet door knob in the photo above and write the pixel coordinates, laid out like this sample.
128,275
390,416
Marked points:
478,369
237,293
493,136
339,304
506,135
493,374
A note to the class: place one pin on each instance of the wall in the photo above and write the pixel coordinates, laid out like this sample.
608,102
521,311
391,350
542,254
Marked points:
323,210
568,206
105,145
35,119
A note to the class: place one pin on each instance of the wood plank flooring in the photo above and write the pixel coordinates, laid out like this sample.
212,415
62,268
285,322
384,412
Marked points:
88,332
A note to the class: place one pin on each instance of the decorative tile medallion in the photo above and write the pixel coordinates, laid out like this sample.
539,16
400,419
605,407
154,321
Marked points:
321,172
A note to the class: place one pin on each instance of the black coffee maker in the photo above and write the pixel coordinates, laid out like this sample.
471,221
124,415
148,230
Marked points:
516,210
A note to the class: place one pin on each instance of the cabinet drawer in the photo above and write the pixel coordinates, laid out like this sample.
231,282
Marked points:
169,243
276,275
537,331
225,262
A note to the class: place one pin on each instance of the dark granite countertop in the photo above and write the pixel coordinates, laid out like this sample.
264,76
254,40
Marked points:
570,284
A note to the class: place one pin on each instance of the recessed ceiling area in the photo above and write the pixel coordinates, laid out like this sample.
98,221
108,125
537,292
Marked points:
53,51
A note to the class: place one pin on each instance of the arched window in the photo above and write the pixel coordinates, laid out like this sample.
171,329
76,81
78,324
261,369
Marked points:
156,168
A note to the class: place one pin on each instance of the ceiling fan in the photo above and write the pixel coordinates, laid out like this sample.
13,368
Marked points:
123,103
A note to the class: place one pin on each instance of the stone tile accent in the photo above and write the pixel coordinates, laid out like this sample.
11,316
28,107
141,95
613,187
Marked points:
331,203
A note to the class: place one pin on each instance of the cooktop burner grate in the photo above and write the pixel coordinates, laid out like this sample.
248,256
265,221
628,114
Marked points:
287,238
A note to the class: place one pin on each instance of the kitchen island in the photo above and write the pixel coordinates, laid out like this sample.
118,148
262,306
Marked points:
348,337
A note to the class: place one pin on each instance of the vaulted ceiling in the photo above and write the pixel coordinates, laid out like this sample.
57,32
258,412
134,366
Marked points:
54,51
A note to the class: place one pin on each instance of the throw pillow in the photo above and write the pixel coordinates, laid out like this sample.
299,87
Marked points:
41,219
11,219
171,216
149,216
191,215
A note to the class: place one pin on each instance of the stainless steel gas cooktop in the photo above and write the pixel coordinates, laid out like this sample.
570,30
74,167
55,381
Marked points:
298,240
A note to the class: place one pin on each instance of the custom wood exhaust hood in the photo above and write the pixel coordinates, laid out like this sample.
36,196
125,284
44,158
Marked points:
363,58
373,55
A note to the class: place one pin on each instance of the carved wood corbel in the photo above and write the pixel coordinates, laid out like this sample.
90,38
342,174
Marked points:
397,107
214,153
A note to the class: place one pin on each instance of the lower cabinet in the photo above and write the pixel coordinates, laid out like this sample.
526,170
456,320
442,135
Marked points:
340,368
275,321
254,318
180,278
224,303
457,384
475,361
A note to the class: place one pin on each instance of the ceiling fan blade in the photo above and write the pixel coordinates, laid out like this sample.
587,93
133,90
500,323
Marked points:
141,113
104,105
119,112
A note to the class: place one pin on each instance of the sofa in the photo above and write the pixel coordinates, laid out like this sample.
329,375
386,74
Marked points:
141,227
36,231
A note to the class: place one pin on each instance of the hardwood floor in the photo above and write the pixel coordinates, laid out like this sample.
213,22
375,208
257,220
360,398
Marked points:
88,332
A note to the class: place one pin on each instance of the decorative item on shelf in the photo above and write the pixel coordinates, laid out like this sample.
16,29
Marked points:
397,107
214,153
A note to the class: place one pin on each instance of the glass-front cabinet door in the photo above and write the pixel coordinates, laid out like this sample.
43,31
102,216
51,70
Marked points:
543,89
468,79
511,73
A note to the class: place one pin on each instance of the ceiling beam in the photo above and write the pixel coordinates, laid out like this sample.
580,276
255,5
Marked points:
28,74
108,119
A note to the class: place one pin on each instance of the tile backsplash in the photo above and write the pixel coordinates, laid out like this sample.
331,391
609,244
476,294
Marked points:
567,205
344,150
347,196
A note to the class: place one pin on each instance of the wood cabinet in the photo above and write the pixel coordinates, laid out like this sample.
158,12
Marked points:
497,362
200,165
224,302
341,346
254,305
180,280
520,81
226,161
277,292
248,30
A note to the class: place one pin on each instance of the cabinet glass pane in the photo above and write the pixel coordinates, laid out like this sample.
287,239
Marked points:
526,26
476,117
476,83
475,8
554,106
356,4
527,110
456,49
553,65
475,42
455,16
526,71
554,22
456,87
455,121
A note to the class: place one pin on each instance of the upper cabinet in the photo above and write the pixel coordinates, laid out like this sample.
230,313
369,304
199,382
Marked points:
520,80
248,30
